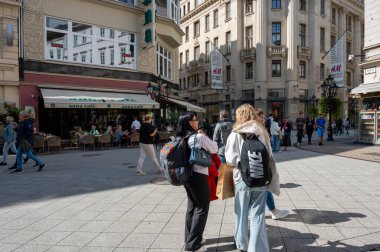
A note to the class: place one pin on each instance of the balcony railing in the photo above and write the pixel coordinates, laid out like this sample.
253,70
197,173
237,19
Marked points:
304,52
276,51
249,53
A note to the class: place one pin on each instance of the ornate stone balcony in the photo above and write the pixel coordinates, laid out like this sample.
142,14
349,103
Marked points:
276,51
303,52
247,54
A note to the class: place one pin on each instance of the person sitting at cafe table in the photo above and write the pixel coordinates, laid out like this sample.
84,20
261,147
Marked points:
120,136
93,130
109,131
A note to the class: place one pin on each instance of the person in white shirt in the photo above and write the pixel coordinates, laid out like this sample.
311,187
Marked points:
274,131
135,124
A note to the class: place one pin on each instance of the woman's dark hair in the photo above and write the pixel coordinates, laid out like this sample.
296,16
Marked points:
183,126
275,119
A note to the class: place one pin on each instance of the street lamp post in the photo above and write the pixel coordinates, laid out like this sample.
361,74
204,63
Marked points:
329,90
157,94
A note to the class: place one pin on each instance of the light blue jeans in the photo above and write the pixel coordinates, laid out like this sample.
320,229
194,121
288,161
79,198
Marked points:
7,146
250,201
29,154
276,143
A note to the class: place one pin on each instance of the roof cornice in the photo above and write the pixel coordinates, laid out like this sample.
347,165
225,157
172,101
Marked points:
197,10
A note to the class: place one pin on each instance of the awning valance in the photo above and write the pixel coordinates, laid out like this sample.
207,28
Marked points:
62,98
188,106
366,88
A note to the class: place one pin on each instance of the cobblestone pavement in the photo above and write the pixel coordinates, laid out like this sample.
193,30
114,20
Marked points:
93,201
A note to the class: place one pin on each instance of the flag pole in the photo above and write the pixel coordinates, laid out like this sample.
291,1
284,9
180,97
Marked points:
334,44
218,49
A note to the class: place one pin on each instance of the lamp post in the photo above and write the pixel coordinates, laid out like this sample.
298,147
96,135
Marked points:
329,90
157,94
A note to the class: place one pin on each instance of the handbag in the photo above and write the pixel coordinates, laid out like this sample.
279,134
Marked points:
199,156
225,187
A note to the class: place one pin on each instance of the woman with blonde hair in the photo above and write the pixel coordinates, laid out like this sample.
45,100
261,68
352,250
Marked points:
250,201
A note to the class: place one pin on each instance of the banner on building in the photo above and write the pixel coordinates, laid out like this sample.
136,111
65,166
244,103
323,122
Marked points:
337,67
216,69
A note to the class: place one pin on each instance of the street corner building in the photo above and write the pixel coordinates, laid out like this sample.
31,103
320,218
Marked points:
274,52
89,61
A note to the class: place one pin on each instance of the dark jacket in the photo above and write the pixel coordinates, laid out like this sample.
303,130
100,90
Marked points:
221,133
25,131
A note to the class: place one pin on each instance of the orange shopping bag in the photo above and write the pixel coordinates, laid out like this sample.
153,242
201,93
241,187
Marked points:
225,187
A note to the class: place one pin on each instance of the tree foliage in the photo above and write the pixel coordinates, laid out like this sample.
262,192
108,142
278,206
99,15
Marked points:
336,108
9,110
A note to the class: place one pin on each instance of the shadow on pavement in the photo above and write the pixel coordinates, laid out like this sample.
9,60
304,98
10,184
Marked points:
290,185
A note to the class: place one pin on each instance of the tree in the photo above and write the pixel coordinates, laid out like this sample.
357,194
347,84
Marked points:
336,109
10,110
313,111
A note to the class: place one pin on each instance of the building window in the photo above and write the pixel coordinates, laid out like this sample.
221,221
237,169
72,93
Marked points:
188,6
248,6
187,33
348,77
322,72
180,60
207,51
333,15
302,70
332,41
276,34
249,37
51,53
276,68
206,78
322,40
349,24
216,42
228,11
323,7
228,42
196,29
216,22
348,48
249,70
302,35
164,62
276,4
78,42
303,5
228,73
184,10
184,83
187,57
197,52
207,23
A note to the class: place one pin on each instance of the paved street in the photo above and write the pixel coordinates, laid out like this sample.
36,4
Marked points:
93,201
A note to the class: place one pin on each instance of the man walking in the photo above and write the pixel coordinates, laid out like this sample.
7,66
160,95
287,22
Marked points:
300,124
321,125
9,139
24,142
222,130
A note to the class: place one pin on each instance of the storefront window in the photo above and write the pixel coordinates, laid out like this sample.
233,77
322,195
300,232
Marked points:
371,104
65,40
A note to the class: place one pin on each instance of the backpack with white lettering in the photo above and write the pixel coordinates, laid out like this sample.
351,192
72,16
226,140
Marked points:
254,162
174,158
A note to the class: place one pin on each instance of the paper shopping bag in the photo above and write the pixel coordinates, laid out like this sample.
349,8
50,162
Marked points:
225,187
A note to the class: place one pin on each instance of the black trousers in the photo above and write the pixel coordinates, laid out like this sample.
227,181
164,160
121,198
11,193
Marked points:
198,204
299,135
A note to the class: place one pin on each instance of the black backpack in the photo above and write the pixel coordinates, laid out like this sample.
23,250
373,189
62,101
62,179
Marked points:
174,158
254,162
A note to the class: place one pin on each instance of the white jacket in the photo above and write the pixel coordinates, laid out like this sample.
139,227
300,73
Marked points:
235,143
274,128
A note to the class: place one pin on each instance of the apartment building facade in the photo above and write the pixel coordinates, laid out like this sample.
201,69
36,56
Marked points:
9,67
273,51
87,61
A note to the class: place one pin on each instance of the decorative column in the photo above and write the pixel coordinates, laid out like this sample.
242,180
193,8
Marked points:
357,51
292,84
342,26
261,54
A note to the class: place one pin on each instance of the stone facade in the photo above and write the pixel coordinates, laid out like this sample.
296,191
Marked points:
280,76
9,69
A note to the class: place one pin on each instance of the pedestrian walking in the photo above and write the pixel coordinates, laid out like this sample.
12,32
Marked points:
300,124
250,201
197,188
147,133
287,129
321,126
9,137
222,130
274,131
310,128
24,141
346,125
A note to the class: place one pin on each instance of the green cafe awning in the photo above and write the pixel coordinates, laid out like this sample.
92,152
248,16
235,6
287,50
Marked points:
62,98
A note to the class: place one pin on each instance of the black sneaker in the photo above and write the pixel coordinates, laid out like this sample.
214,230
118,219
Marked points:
35,165
41,167
12,168
17,171
26,160
3,163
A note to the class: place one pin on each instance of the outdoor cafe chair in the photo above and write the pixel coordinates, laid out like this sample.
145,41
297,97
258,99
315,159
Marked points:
104,140
39,143
53,142
134,138
87,140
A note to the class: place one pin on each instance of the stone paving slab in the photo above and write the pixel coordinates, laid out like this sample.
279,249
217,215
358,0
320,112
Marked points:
83,202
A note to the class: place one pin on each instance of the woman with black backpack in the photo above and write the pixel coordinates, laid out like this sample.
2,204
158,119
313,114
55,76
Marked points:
197,188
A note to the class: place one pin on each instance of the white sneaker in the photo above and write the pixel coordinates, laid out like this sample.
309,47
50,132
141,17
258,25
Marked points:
201,249
279,214
141,173
203,241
